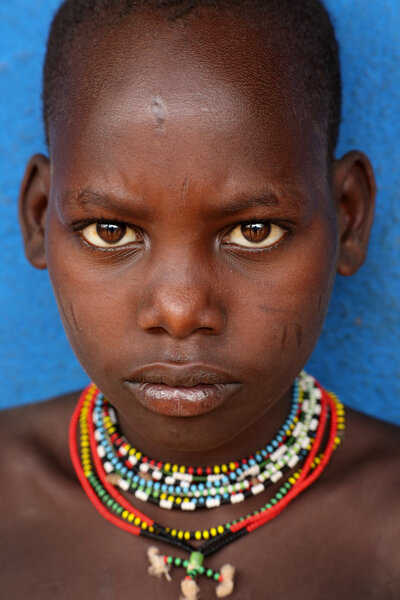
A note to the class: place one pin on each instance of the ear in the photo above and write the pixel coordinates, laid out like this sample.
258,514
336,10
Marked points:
33,202
354,190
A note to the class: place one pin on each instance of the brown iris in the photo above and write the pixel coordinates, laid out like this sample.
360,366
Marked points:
111,233
255,232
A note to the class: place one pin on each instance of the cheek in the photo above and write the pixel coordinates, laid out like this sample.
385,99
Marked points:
95,319
279,328
281,309
93,307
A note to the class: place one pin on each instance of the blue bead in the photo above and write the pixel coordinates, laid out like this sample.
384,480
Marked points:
209,484
157,485
114,460
193,487
164,488
201,487
124,470
171,489
232,476
270,449
275,444
136,479
252,462
201,500
178,489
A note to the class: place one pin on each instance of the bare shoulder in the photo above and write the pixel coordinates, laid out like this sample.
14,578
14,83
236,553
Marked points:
37,421
365,485
34,447
371,459
373,447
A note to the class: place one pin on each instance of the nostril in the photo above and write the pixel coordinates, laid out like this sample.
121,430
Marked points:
180,312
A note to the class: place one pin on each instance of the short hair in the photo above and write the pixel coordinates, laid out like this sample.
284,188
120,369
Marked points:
308,30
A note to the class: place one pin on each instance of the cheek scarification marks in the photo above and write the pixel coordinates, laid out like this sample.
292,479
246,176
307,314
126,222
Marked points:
284,337
69,316
184,193
299,334
159,112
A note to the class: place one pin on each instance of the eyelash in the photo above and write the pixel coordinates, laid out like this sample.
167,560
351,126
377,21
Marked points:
93,233
257,246
80,226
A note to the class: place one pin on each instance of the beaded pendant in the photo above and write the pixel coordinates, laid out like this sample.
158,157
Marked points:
105,461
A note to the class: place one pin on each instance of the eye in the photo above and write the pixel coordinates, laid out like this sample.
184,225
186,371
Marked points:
109,235
255,235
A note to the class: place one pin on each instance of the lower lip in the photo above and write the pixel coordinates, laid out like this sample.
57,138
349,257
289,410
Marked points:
182,401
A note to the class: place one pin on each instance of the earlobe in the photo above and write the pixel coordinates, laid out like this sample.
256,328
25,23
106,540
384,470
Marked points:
33,202
354,190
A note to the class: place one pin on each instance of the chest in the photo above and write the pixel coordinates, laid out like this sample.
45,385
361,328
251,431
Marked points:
76,554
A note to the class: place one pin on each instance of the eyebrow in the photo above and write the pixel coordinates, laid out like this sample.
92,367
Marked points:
292,196
132,207
87,198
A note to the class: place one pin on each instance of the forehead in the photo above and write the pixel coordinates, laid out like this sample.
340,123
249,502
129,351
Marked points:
216,83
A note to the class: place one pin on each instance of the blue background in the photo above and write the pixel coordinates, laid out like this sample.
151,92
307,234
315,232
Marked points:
358,354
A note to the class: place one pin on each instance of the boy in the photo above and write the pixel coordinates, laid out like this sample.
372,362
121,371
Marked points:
193,218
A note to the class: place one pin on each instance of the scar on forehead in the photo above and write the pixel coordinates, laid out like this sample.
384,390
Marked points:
159,112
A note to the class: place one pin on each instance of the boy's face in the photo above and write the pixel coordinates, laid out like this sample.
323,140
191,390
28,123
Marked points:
194,139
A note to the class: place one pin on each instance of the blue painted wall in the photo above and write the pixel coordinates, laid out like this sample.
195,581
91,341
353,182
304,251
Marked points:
358,354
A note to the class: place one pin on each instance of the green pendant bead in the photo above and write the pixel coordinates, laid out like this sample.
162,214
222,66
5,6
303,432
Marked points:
196,559
195,566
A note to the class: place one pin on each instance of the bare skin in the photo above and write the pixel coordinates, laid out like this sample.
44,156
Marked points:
339,540
178,162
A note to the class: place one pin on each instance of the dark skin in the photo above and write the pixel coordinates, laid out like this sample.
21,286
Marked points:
179,160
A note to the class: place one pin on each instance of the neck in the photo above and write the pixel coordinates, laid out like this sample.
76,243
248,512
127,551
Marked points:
250,439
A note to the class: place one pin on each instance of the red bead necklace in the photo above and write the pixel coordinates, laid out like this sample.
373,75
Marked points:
120,512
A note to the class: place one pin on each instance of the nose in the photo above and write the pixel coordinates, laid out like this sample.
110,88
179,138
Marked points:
181,302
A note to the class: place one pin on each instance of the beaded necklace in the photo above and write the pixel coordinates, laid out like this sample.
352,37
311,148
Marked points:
104,460
204,487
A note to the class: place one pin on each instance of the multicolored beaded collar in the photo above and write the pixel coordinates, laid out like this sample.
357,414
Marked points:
104,460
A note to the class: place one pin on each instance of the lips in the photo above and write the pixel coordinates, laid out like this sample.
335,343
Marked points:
181,390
